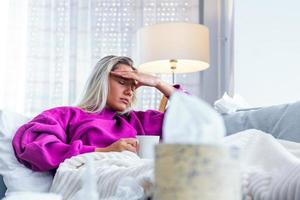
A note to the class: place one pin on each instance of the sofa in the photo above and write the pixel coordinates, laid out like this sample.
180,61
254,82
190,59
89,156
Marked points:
281,121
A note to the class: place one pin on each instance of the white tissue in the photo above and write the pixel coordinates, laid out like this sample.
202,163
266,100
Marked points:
190,120
228,104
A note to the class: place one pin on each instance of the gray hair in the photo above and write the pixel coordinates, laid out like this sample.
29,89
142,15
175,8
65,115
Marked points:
97,86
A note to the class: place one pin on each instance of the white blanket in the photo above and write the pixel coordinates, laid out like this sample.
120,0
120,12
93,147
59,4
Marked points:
270,169
111,171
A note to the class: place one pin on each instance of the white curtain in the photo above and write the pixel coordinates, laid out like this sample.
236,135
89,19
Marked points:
51,46
218,16
13,28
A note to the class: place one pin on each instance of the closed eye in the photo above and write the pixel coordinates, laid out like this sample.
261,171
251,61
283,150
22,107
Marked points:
122,82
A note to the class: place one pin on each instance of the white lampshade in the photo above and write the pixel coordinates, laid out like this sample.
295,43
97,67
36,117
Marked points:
186,43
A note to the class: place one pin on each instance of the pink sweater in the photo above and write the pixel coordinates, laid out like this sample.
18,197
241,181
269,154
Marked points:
60,133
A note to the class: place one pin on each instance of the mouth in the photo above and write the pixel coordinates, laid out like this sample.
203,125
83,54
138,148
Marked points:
125,101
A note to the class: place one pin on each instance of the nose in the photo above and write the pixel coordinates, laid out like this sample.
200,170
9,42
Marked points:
128,91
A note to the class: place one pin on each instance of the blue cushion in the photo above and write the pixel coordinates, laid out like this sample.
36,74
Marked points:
282,121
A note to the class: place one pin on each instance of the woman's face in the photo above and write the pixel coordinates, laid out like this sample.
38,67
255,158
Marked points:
121,90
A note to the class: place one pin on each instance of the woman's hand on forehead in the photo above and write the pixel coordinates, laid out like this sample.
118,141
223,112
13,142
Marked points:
141,79
121,75
125,74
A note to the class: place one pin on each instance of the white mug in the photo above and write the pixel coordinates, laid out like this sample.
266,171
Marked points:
147,145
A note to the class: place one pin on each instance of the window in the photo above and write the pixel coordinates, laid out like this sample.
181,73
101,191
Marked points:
49,47
267,50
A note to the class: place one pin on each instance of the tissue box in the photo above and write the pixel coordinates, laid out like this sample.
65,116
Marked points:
188,171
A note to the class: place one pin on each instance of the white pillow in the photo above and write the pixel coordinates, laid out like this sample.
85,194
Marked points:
227,104
16,176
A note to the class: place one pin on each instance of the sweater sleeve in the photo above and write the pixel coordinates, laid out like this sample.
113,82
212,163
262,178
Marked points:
151,121
42,143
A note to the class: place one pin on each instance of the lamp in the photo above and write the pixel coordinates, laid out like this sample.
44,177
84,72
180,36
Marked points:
173,48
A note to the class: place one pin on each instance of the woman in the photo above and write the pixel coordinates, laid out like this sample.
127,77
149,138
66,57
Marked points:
102,121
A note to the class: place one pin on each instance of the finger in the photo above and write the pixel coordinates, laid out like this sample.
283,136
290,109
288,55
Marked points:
119,71
131,148
116,74
138,85
125,74
131,141
122,72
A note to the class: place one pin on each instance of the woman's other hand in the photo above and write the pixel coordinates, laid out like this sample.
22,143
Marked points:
125,144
